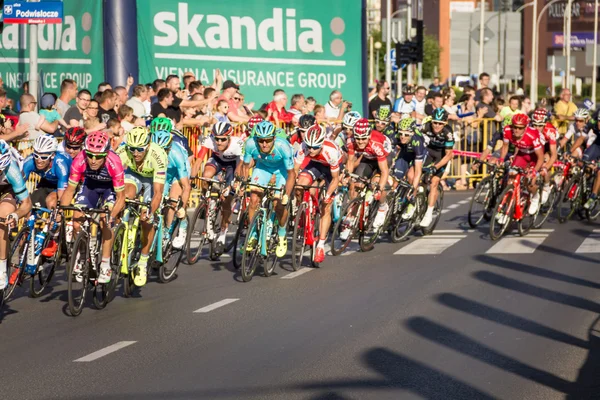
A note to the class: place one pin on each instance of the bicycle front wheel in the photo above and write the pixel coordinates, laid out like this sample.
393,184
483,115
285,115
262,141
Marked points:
251,250
437,212
502,216
239,241
196,236
78,275
299,237
171,256
16,261
480,202
567,200
235,220
546,208
346,227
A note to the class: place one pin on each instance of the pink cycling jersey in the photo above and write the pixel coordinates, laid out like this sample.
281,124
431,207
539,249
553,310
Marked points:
111,171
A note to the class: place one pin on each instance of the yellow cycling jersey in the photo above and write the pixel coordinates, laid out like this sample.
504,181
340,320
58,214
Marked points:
154,165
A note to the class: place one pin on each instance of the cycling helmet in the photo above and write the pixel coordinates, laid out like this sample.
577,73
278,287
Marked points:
315,136
222,129
407,124
5,155
163,138
161,124
408,89
350,119
383,114
539,116
439,115
582,113
137,137
520,119
362,129
255,119
45,144
264,130
75,137
97,142
306,121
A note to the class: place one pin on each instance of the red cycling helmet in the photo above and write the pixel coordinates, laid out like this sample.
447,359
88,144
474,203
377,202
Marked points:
362,129
97,142
539,117
520,120
255,119
74,137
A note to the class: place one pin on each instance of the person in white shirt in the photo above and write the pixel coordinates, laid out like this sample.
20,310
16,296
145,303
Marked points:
335,107
37,123
406,104
421,102
140,95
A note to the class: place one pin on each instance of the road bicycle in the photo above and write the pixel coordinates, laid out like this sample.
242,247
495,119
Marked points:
578,179
487,191
437,207
306,226
84,263
400,225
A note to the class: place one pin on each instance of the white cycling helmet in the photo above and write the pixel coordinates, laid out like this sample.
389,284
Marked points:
5,155
350,119
582,113
315,136
45,144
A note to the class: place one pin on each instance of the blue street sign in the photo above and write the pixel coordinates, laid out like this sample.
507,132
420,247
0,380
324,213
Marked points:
393,59
42,12
587,103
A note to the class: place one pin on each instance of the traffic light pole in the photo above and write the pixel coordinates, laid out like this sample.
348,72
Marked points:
388,42
409,69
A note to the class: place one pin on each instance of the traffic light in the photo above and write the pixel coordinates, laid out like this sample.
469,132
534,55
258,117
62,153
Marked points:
402,54
418,40
411,51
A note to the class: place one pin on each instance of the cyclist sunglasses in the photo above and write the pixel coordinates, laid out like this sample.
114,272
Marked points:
72,147
518,127
265,141
136,149
313,147
438,123
221,139
42,157
95,156
406,134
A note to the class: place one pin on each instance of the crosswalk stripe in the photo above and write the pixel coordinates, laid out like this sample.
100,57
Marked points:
216,305
426,246
517,245
452,206
454,230
464,201
591,244
443,236
105,351
294,274
445,211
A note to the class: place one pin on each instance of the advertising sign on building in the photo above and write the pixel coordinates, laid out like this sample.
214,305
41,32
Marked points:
41,12
578,39
302,47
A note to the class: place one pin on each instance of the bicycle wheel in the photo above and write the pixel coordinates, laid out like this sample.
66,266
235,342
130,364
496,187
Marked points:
236,215
437,212
45,269
299,237
526,222
567,200
133,256
480,201
77,283
16,261
239,240
347,224
546,208
272,239
251,254
196,236
171,256
212,254
502,216
115,259
101,291
368,235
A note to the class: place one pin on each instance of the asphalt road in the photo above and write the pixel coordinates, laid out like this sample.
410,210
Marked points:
452,316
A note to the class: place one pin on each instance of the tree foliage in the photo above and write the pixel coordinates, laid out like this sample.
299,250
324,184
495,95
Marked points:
431,56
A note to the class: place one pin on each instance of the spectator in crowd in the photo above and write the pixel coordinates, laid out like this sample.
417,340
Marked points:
195,87
102,86
140,95
484,81
382,99
222,110
564,109
436,86
276,111
48,110
188,77
156,86
74,115
36,122
469,90
298,104
513,107
487,101
126,117
122,95
230,89
163,108
320,114
465,109
437,101
115,133
310,104
91,121
407,103
420,103
450,108
7,126
243,109
107,104
448,91
336,107
68,92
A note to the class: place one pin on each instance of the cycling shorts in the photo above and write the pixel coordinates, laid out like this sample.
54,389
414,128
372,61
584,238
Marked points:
367,168
227,166
592,153
140,183
262,176
401,167
95,195
43,189
522,160
315,171
433,157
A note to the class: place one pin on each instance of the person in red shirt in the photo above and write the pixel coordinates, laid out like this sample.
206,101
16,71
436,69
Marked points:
367,155
548,134
276,109
529,152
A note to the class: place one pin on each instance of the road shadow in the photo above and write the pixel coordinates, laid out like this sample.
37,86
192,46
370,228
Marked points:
587,384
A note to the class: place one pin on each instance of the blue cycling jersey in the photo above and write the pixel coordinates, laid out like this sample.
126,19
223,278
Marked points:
280,157
12,176
58,173
179,165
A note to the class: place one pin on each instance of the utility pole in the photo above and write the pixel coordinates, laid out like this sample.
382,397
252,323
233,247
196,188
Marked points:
595,55
409,69
481,34
388,42
567,40
534,57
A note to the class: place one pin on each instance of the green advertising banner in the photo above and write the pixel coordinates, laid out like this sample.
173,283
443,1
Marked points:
73,49
310,46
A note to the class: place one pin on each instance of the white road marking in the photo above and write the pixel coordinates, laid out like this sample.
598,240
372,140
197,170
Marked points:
445,211
464,201
542,231
426,246
294,274
452,206
517,245
591,244
447,236
596,230
105,351
454,231
216,305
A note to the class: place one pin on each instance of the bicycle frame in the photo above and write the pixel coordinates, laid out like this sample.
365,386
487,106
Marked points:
266,205
312,205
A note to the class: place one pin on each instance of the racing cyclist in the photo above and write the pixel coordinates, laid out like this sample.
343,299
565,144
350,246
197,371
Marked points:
548,134
73,142
576,130
439,140
12,189
591,153
99,170
324,163
383,122
177,184
226,151
273,156
145,166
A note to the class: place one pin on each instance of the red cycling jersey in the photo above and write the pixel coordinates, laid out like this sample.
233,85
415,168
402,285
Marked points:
548,134
378,148
526,144
330,154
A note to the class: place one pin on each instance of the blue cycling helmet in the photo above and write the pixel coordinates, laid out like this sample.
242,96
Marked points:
163,138
264,130
440,115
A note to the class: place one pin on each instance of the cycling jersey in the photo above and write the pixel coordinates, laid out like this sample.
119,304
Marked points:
573,132
548,134
442,140
111,171
183,142
414,150
329,155
526,144
11,180
231,153
153,166
378,147
178,167
280,156
57,175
